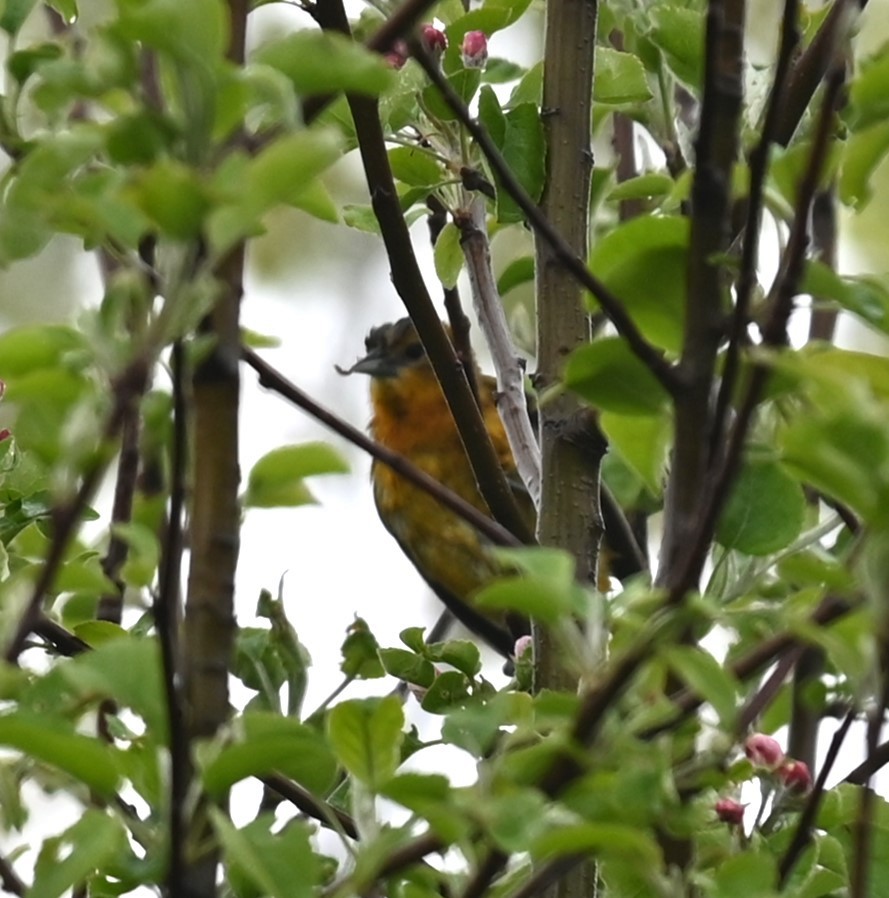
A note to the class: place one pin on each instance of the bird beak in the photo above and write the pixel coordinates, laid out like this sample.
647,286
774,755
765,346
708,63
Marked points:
373,364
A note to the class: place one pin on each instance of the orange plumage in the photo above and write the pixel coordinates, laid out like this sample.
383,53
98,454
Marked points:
411,417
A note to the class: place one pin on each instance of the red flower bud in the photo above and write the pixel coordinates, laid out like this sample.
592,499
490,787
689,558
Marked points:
5,434
397,55
764,751
730,811
475,49
795,775
434,41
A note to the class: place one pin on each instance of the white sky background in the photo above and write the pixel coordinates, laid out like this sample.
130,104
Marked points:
319,295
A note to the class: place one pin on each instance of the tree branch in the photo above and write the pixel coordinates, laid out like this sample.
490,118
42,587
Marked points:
274,380
512,404
66,518
563,253
707,301
803,833
759,165
774,333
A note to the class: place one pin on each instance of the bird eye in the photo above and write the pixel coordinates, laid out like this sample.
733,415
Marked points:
414,351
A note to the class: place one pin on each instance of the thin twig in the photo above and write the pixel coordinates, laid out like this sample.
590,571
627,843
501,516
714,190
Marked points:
512,403
308,804
66,518
814,64
803,833
774,334
707,293
11,881
759,164
167,614
272,379
652,357
411,287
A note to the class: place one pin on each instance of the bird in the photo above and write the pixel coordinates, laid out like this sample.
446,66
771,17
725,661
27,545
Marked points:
412,417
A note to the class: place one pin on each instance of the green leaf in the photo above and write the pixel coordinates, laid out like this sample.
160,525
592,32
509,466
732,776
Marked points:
366,735
33,347
282,865
866,297
643,262
643,443
599,839
750,873
277,478
194,33
320,62
361,653
127,670
465,83
267,743
518,272
360,217
869,92
679,33
416,791
23,63
14,14
765,510
46,739
143,553
524,149
703,674
448,689
607,375
459,653
415,166
83,849
836,454
494,16
448,255
408,666
284,173
620,78
863,153
546,589
642,187
173,196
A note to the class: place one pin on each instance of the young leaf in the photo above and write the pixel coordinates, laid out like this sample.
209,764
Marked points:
84,848
281,865
644,263
322,62
448,255
608,375
366,735
277,478
268,742
765,510
88,760
620,78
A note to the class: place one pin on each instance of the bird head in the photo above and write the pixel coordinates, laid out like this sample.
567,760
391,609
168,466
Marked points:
392,351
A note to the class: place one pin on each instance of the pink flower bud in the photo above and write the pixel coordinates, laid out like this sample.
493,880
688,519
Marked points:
764,751
475,49
434,41
523,645
730,811
795,775
397,55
